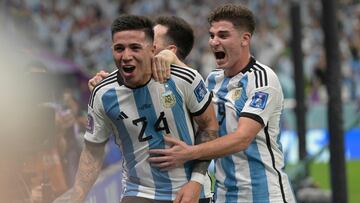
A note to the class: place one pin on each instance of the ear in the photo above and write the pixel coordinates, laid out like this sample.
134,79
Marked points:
245,39
153,48
172,48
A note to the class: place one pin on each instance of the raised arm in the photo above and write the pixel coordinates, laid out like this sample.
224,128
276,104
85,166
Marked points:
161,65
96,79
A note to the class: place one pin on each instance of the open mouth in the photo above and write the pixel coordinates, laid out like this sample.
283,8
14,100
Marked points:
219,54
128,68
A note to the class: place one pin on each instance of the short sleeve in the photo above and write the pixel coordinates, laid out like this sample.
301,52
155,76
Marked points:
198,96
98,128
262,103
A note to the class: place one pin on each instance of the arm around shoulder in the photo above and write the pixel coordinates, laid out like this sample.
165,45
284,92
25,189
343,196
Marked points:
230,143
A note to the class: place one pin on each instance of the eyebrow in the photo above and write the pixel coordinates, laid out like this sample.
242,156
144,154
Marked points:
132,44
220,32
223,32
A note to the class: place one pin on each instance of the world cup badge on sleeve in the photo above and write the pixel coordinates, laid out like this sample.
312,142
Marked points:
200,91
168,99
90,124
259,100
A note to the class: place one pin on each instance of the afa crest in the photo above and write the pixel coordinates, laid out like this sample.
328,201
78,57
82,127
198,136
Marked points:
168,99
236,93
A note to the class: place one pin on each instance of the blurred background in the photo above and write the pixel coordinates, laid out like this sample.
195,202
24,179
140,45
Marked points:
49,50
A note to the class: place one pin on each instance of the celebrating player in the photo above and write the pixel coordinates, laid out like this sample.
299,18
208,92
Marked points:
140,112
248,100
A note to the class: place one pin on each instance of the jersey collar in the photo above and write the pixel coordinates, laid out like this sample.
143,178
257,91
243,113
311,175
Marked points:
249,65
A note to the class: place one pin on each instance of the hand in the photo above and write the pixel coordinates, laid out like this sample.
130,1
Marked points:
172,157
96,79
161,65
189,193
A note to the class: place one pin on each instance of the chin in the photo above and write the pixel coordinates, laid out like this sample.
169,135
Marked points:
221,66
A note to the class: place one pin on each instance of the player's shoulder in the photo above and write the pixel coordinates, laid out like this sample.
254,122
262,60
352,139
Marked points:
215,73
185,74
262,75
103,85
262,67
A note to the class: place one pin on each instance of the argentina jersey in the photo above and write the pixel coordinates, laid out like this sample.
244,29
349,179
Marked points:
140,118
254,174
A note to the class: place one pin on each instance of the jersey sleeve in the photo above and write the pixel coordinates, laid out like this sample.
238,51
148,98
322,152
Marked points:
98,128
262,103
198,97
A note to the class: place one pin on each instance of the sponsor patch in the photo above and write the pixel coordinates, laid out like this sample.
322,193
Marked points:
168,99
200,91
90,124
259,100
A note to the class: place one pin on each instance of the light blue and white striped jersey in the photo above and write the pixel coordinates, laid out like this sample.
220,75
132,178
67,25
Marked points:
139,118
255,174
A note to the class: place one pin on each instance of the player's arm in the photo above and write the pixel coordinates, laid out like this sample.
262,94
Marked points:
262,103
207,131
161,65
96,79
251,121
97,134
198,100
231,143
90,163
222,146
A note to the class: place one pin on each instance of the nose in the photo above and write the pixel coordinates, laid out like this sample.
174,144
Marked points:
214,41
126,55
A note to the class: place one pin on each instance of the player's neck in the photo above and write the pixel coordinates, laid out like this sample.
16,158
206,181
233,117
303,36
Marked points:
133,85
238,66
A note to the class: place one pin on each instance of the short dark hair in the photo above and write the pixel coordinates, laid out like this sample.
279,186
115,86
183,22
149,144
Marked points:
179,32
240,16
133,22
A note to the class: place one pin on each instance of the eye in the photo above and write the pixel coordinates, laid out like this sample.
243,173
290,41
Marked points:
223,35
135,48
211,35
118,48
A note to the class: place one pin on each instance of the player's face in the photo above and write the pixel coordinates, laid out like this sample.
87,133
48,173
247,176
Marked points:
132,53
160,42
225,42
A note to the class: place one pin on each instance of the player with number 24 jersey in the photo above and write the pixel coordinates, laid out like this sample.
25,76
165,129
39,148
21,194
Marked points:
160,110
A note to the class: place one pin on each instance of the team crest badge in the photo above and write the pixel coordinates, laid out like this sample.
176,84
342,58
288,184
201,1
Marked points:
236,93
168,99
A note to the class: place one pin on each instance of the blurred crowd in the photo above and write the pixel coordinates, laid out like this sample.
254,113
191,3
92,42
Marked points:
79,30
